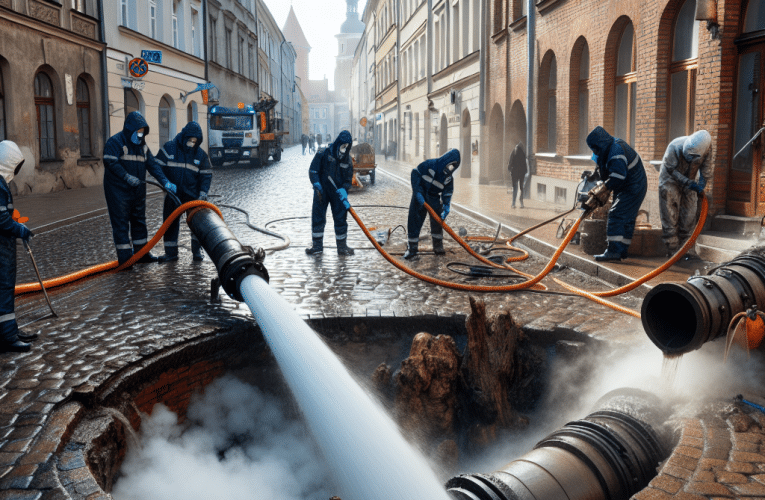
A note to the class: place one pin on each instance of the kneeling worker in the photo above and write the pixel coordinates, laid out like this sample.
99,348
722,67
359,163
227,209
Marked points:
11,339
432,182
622,172
186,165
684,158
331,174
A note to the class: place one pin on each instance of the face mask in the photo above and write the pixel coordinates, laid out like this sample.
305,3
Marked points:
137,138
594,157
343,149
691,158
191,143
450,168
18,167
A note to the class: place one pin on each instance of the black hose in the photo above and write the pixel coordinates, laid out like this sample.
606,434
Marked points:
286,239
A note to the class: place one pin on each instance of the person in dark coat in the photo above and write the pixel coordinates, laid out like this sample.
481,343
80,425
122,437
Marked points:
432,182
126,160
11,339
518,170
304,142
331,174
312,144
186,165
318,140
622,171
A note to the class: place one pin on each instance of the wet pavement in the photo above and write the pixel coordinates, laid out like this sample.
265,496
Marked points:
109,322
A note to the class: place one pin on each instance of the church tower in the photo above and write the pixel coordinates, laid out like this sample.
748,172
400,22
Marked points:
293,33
350,34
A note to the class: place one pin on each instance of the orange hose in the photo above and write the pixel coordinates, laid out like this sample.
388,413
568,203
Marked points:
459,286
108,266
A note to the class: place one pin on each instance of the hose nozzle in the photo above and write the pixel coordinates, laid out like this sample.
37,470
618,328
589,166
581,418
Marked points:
597,196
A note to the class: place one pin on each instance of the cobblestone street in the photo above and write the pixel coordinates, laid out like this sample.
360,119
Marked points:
112,321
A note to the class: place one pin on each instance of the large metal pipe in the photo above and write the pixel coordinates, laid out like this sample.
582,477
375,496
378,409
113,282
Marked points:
233,260
681,317
611,454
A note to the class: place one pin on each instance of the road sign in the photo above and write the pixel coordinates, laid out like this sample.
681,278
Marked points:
152,56
138,67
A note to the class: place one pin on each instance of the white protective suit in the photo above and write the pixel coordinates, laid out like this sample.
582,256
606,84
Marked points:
10,157
684,158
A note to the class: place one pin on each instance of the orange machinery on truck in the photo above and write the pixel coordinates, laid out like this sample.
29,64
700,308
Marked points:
270,130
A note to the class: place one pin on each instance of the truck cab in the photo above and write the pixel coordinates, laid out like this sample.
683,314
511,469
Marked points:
234,135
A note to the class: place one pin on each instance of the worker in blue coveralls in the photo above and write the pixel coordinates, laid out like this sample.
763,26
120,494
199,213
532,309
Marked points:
331,174
127,158
621,170
186,165
432,182
11,339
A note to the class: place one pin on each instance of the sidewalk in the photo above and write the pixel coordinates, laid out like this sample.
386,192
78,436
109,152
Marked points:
491,204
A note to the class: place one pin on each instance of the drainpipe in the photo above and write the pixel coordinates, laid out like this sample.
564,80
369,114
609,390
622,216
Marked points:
483,153
429,48
104,74
204,37
531,35
400,124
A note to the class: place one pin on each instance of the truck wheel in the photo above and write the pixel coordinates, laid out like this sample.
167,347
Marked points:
278,155
372,177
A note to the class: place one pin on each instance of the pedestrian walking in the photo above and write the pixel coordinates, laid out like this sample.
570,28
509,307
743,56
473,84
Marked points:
11,338
318,140
186,165
432,182
331,175
304,142
622,171
518,169
127,158
684,158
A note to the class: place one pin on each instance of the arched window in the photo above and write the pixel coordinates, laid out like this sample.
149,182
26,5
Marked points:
552,108
683,70
547,122
46,130
625,82
83,117
2,109
583,87
165,119
192,112
132,101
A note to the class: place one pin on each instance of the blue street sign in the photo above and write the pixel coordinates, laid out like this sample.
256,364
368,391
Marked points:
152,56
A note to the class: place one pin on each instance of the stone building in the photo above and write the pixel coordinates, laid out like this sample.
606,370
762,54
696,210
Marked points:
347,41
51,101
232,45
175,28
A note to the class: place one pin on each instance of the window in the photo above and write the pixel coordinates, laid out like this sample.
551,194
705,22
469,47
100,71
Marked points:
682,70
192,112
229,59
423,56
45,118
584,99
477,22
241,55
83,117
2,110
164,120
153,18
626,80
548,109
132,101
251,61
79,6
176,41
213,40
124,12
499,15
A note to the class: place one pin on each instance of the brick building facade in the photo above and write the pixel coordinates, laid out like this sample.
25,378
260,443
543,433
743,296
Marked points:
647,71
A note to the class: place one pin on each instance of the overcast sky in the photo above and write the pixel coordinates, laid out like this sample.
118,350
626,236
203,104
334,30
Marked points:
320,20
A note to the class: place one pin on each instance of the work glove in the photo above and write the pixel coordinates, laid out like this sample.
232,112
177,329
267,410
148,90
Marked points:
22,232
420,199
447,209
343,194
132,180
694,186
171,187
203,196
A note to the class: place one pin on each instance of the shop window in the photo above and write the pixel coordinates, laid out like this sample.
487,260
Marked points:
83,117
44,102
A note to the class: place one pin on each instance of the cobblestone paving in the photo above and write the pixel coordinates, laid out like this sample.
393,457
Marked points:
113,320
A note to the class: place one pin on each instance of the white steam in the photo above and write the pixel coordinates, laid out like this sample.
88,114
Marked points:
274,457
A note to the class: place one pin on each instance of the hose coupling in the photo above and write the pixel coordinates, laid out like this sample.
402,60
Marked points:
597,196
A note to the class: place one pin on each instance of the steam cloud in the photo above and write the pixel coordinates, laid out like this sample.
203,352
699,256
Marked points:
240,445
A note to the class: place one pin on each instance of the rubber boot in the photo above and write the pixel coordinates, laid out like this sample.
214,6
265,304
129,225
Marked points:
167,258
317,248
411,252
438,246
196,251
17,346
344,249
146,259
612,253
27,337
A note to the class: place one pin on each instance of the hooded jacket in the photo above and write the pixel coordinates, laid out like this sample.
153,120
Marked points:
675,167
618,164
10,157
431,179
517,164
188,168
332,169
122,157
